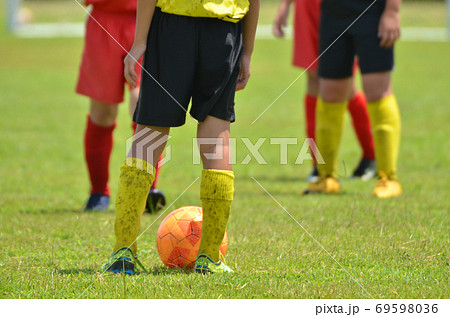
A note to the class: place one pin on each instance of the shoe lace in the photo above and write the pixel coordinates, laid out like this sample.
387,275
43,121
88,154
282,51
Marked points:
138,262
123,252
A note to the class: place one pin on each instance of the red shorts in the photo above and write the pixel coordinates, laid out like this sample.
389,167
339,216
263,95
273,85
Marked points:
101,71
306,33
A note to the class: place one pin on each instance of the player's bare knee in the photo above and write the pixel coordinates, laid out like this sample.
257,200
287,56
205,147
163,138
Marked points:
103,119
377,86
377,93
335,90
103,114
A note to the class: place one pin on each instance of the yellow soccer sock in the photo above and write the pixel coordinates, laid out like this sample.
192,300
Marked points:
136,178
216,193
385,120
330,124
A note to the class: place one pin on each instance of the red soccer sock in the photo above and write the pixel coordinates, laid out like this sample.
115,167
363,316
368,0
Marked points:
133,126
98,142
310,116
361,123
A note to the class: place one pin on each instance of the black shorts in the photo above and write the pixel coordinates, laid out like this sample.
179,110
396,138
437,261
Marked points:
188,57
360,40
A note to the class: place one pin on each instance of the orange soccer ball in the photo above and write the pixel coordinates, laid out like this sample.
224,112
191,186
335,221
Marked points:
178,237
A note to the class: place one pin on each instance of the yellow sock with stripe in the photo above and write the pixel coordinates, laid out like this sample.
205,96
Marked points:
330,124
136,178
216,193
385,120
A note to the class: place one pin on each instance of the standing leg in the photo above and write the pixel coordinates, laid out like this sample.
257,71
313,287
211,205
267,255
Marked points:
385,119
216,192
331,108
98,143
156,199
310,115
134,97
136,177
357,107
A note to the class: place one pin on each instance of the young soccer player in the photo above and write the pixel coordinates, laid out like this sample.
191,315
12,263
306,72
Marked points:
306,51
371,38
197,50
111,24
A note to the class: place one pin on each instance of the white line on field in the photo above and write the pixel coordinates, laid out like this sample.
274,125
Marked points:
264,32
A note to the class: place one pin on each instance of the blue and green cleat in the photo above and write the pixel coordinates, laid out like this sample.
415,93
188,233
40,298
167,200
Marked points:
204,264
122,261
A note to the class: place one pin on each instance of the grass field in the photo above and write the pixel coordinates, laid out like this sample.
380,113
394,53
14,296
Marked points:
394,248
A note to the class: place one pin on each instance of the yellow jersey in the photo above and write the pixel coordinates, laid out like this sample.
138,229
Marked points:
227,10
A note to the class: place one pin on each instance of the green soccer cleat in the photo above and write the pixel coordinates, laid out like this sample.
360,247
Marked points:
204,264
122,261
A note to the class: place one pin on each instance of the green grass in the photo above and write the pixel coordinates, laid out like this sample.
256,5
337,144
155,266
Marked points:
394,248
424,14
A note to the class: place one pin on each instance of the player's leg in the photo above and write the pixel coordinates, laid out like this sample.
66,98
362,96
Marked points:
136,177
357,106
331,108
335,72
385,119
312,91
330,111
156,199
101,79
213,106
98,143
306,52
134,97
157,110
376,64
216,189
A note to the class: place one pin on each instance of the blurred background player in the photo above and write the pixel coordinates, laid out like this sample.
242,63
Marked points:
371,38
306,51
110,25
216,42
